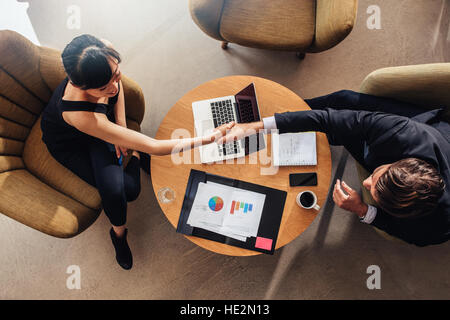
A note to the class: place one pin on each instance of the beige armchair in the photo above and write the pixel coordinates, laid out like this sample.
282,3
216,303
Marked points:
34,188
425,85
290,25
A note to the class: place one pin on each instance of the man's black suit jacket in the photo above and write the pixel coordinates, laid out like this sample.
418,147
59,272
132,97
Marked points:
374,139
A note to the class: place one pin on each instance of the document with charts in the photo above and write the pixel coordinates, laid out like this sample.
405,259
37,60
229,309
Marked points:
229,211
294,149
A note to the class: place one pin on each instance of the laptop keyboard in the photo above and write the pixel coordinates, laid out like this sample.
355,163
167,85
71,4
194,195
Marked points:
222,112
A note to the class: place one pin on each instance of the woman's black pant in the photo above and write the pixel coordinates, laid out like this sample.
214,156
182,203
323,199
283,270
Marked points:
98,165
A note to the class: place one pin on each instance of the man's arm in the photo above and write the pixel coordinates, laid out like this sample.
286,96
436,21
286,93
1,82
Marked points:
343,127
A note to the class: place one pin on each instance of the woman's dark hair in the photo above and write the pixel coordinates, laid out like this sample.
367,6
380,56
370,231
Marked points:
85,60
409,188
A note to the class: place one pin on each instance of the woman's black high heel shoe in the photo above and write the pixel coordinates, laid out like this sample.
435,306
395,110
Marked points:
123,253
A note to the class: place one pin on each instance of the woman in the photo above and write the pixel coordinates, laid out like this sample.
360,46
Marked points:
84,128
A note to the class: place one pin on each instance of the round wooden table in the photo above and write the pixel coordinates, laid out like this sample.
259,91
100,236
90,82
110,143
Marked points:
272,97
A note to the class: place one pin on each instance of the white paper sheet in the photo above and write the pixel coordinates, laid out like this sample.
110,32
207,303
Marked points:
201,210
212,210
241,221
294,149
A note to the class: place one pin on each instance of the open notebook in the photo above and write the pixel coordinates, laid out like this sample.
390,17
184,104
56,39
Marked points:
294,149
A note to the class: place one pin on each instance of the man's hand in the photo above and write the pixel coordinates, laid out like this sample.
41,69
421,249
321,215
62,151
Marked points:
219,132
241,130
350,201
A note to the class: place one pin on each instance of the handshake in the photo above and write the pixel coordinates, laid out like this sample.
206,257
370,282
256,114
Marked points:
233,131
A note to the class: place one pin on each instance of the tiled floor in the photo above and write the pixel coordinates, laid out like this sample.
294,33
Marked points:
165,52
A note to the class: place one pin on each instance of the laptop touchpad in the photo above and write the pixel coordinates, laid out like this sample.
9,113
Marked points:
207,126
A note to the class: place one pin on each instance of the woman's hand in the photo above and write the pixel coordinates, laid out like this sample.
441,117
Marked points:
350,201
121,150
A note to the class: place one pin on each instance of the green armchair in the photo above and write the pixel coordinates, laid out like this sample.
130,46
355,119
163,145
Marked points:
290,25
425,85
34,188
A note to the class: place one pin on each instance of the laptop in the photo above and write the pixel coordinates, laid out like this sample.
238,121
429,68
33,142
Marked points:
212,113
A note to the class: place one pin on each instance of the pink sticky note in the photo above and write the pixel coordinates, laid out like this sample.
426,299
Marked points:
263,243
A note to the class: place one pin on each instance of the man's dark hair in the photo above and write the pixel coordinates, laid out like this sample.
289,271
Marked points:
85,60
409,188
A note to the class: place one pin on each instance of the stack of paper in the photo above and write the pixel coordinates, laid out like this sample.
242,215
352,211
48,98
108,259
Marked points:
229,211
294,149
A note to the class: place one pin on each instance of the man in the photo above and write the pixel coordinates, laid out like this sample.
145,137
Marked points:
406,148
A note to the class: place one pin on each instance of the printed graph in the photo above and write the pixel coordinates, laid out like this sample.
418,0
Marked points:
215,204
237,206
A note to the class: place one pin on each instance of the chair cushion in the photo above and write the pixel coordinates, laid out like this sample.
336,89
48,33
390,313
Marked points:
28,200
41,163
278,25
10,163
11,147
12,89
19,59
425,85
51,67
13,130
134,100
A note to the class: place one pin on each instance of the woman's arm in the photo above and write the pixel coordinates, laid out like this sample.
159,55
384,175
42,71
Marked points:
119,108
98,125
120,117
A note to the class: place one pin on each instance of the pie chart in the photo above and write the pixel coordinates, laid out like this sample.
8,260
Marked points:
215,203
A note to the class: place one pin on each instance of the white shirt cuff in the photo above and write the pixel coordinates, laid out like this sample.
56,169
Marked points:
370,215
270,123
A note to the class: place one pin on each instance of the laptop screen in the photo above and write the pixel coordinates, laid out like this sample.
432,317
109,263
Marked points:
247,105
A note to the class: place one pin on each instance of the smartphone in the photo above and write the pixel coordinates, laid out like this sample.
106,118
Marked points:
303,179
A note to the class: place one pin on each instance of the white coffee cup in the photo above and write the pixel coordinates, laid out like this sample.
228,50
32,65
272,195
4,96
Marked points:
313,201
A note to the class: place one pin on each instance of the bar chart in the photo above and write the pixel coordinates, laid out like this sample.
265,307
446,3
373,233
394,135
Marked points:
236,206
